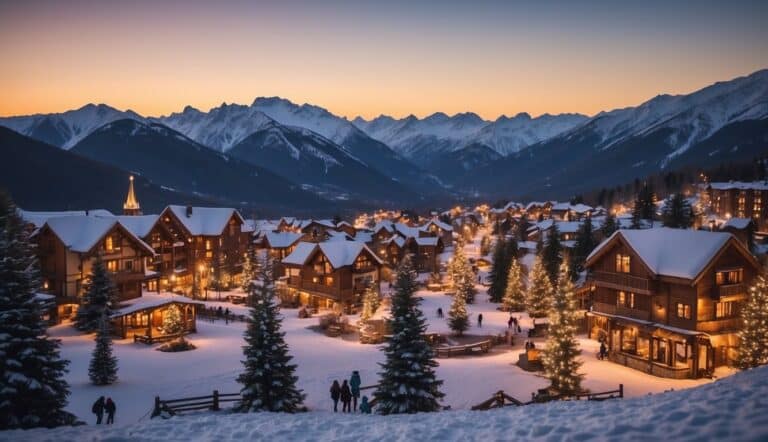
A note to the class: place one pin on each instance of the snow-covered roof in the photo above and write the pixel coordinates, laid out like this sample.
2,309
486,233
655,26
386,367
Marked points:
339,253
82,233
151,301
399,240
568,226
138,225
323,222
281,239
738,223
427,240
209,221
671,252
39,218
740,185
438,223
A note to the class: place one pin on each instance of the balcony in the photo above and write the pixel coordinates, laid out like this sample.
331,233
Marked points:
127,276
332,291
622,281
730,290
719,325
601,307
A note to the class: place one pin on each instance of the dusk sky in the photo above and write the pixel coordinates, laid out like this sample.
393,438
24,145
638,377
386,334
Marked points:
371,58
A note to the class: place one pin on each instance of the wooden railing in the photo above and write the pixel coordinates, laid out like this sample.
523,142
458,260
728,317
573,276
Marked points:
176,406
719,325
622,281
602,307
501,399
731,290
468,349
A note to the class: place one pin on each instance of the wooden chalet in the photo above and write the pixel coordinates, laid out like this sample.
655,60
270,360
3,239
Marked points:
278,245
740,200
142,318
667,301
67,247
332,274
317,230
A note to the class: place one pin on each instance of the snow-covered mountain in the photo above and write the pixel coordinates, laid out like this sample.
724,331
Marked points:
67,128
446,133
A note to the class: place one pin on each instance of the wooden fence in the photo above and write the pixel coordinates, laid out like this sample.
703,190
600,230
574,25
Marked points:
176,406
468,349
501,399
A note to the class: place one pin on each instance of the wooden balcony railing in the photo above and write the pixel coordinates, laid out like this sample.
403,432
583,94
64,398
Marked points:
731,290
611,309
622,281
719,325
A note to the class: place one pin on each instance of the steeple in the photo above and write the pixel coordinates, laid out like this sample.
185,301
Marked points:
131,206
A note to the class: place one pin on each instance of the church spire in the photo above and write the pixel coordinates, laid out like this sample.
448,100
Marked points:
131,206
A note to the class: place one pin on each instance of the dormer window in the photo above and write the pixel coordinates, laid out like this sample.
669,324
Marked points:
109,244
729,276
622,263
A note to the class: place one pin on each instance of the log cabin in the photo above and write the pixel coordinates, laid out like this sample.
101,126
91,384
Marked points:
67,247
667,300
332,274
278,245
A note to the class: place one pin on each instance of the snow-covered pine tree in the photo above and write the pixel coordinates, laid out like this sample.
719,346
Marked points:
499,268
561,351
462,275
100,298
408,380
552,254
514,295
247,271
538,299
585,243
753,336
677,212
172,322
33,392
103,367
455,264
458,318
370,304
269,382
609,225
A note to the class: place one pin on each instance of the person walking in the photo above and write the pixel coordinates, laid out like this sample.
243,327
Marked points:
98,409
226,316
354,386
346,397
603,350
480,320
365,407
335,395
440,312
110,408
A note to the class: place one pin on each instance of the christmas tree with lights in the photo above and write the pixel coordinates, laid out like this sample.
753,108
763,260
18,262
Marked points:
538,297
753,336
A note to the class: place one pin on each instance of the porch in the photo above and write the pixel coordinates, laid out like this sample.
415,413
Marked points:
143,318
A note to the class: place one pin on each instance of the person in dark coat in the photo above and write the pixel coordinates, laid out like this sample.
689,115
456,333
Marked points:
110,408
439,312
365,407
511,323
354,386
346,397
480,320
98,409
335,395
603,350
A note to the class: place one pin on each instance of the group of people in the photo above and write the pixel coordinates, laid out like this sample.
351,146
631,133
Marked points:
102,406
348,393
214,313
514,324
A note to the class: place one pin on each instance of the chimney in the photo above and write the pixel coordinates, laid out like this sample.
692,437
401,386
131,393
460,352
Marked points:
189,211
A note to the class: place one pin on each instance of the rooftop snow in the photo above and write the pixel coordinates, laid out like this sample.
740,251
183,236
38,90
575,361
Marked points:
738,223
39,218
740,185
209,221
80,233
339,253
281,239
138,225
149,301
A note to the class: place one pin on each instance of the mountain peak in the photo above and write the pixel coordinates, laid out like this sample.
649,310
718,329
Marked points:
272,101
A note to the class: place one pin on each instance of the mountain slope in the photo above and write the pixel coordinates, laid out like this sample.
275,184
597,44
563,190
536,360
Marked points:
173,160
225,126
67,128
40,176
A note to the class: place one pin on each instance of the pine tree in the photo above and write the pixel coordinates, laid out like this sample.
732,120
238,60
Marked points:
462,276
408,380
269,382
552,254
559,356
248,272
538,297
458,319
645,206
370,304
499,269
609,225
753,336
677,212
585,243
100,298
103,367
514,295
33,392
172,321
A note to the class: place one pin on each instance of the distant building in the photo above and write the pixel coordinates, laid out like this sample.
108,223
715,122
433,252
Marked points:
736,199
131,206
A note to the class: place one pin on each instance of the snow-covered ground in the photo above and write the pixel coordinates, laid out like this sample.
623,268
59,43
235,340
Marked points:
732,409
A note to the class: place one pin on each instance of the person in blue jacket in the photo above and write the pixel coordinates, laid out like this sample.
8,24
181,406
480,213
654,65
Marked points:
365,407
354,385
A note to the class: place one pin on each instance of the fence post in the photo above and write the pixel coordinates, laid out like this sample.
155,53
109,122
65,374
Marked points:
215,400
156,410
621,390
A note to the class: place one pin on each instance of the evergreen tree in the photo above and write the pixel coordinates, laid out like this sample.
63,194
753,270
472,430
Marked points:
458,318
677,212
609,225
559,356
408,380
370,304
753,336
645,206
172,321
33,392
514,295
248,272
462,276
585,243
552,254
269,382
100,298
103,367
538,297
499,269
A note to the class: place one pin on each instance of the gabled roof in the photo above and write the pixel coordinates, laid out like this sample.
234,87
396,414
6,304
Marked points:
281,239
82,233
672,252
208,221
427,240
39,218
740,185
139,225
339,253
738,223
438,223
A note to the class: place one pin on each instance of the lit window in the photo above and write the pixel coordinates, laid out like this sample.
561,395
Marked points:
725,277
625,299
110,245
207,244
112,265
622,263
724,309
683,311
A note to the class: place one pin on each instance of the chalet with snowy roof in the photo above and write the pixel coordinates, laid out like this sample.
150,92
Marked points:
435,227
538,209
667,300
142,318
742,228
570,212
740,200
204,245
392,241
317,230
347,228
36,220
67,247
332,274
